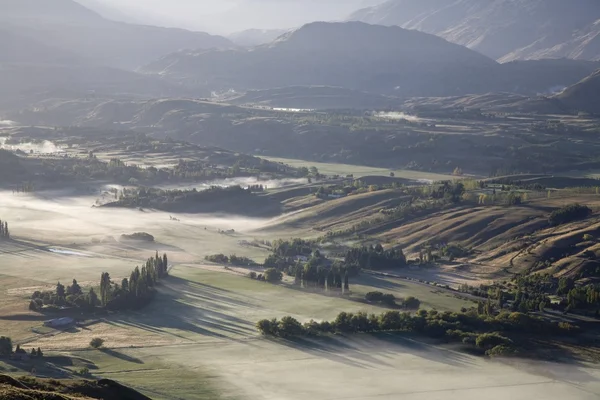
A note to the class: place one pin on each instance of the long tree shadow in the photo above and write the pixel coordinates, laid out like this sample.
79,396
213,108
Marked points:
121,356
182,307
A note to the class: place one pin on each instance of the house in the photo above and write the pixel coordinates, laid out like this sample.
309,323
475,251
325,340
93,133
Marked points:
60,323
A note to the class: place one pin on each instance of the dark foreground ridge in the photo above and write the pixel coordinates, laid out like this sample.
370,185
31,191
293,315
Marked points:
28,388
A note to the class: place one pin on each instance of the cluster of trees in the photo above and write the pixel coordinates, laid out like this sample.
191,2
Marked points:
6,349
449,191
409,303
169,199
271,275
584,298
569,213
331,278
136,291
4,232
292,248
485,332
375,257
69,296
232,259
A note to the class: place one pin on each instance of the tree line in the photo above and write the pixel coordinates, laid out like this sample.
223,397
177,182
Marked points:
483,331
375,258
133,292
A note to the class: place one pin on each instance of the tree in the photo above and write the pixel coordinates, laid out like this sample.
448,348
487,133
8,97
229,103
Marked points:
75,288
92,298
298,274
39,353
33,353
96,343
346,283
5,346
104,288
289,326
60,290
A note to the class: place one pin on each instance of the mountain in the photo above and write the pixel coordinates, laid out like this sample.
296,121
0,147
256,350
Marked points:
583,96
351,55
504,30
255,37
67,25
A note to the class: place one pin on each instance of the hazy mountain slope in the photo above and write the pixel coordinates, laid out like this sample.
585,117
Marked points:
18,49
583,96
502,29
352,55
255,37
65,24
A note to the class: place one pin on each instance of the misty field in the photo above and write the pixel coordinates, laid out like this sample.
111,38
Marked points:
197,339
360,170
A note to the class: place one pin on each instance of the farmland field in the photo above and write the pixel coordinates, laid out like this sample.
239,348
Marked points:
197,339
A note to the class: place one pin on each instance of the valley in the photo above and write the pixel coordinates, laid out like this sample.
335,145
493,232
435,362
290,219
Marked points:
401,203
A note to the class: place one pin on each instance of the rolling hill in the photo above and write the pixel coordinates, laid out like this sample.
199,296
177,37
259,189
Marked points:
67,25
505,30
351,55
583,96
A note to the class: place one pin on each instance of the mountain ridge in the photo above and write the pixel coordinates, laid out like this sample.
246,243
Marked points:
505,30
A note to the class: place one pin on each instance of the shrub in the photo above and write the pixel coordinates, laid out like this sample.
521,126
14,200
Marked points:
218,259
378,297
411,303
569,213
490,340
588,238
502,351
138,236
96,343
85,371
272,275
252,275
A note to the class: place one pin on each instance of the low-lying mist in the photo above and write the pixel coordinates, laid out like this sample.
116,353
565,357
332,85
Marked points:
43,147
396,115
243,182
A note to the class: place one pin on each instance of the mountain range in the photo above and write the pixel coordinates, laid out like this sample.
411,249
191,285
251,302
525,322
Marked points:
372,58
68,26
504,30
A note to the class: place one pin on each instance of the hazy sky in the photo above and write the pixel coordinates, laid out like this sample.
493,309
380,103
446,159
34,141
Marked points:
225,16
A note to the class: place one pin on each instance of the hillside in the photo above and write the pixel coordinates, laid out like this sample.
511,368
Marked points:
352,55
583,96
67,25
27,388
505,30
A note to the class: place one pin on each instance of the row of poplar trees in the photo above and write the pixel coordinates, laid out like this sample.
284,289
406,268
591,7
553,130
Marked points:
4,232
136,291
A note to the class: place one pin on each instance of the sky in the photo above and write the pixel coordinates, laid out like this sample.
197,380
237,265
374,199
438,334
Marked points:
227,16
